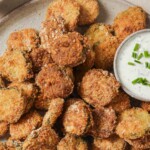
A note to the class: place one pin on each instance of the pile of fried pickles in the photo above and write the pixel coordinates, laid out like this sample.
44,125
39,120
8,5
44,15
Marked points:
57,90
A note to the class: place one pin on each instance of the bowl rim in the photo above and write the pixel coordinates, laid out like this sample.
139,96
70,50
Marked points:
115,65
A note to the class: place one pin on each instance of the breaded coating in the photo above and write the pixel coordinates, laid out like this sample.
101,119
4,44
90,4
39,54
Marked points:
29,91
98,87
23,40
89,11
54,111
104,122
111,143
3,128
69,49
133,124
146,106
54,82
71,142
129,21
25,125
140,144
16,66
2,83
67,9
12,104
51,29
14,144
77,119
40,57
2,146
120,103
43,138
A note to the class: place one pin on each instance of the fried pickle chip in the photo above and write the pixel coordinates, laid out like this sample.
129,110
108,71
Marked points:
54,82
12,104
54,111
51,29
14,144
104,122
133,124
89,11
16,66
25,125
129,21
62,8
77,119
111,143
3,128
98,87
2,83
40,57
121,102
146,106
24,40
43,138
141,143
69,49
2,146
71,142
29,91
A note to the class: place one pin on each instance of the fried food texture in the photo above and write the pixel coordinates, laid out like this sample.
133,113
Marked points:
129,21
2,83
42,138
89,11
72,142
120,103
146,106
51,29
14,144
62,8
54,111
25,125
23,40
104,122
77,119
12,104
133,124
111,143
54,82
98,87
69,49
16,66
3,128
2,146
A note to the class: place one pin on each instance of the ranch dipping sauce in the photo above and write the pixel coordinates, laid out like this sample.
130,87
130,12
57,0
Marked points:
132,65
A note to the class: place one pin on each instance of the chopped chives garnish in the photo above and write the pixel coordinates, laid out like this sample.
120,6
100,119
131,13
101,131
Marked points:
136,47
140,56
142,81
134,55
147,65
146,54
137,61
131,63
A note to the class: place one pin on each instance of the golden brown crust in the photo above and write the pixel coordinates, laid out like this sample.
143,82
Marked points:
2,83
89,11
12,104
133,123
98,87
24,40
112,143
54,111
121,102
40,57
2,146
25,125
16,66
62,8
3,128
42,138
69,49
77,118
72,143
54,82
104,122
14,144
146,106
129,21
51,29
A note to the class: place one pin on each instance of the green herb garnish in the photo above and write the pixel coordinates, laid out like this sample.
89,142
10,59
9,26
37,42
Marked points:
142,81
140,56
147,65
146,54
136,47
134,55
131,64
137,61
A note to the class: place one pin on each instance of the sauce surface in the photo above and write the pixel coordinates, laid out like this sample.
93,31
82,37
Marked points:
127,73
